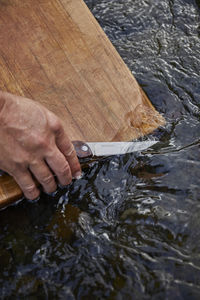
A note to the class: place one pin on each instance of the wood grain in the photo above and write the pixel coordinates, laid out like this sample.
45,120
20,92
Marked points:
54,51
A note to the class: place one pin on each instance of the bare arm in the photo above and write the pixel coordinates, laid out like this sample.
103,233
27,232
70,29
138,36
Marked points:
33,142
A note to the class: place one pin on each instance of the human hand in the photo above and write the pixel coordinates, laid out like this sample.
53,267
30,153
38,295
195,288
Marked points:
33,144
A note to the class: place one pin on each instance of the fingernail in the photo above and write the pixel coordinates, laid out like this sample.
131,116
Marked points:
78,175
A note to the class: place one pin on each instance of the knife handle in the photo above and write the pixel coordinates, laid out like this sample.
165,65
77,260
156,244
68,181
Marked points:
82,149
11,192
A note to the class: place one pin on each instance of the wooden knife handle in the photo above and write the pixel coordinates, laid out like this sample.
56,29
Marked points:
11,192
82,149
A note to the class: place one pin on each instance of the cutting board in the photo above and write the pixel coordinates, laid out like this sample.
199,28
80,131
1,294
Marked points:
55,52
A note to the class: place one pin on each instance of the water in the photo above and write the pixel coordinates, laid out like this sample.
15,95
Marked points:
130,228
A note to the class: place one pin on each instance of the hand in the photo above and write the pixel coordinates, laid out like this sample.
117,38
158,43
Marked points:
33,144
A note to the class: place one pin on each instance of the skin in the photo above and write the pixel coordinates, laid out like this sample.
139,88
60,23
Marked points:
33,143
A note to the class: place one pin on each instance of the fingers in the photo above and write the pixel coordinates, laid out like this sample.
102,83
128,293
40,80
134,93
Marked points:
60,167
44,176
66,147
27,184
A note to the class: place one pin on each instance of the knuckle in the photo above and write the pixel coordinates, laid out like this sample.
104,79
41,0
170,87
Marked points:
70,150
38,141
20,165
65,170
31,188
55,124
42,142
46,180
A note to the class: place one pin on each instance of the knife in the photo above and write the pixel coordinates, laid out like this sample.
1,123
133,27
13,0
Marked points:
95,149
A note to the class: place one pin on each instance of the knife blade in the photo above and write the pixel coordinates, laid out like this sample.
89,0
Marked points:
90,149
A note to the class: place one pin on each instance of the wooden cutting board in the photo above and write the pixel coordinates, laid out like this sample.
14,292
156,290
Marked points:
55,52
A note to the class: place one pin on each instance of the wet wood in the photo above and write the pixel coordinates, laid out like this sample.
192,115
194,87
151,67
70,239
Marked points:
54,52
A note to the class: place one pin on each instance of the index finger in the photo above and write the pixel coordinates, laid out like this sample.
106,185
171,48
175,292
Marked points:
66,147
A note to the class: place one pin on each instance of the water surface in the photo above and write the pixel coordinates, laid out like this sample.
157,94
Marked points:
131,226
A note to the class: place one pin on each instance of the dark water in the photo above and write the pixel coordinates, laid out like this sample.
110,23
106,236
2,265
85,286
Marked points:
130,228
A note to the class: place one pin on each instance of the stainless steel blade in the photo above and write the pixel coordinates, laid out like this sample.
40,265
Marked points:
115,148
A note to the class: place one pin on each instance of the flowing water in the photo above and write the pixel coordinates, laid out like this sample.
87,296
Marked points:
130,228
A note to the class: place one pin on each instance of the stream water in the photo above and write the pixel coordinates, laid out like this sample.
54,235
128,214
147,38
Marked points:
129,229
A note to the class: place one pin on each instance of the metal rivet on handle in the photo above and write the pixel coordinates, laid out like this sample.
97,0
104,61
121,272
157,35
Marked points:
84,148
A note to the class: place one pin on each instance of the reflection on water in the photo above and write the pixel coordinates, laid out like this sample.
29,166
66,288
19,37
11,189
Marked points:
130,226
